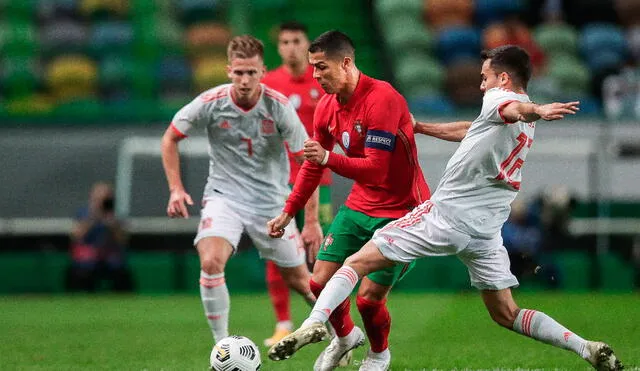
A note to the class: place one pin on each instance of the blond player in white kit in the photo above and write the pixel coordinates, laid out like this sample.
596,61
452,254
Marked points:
247,124
465,215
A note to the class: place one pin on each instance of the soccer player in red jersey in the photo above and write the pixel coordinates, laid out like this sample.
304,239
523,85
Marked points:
294,78
371,122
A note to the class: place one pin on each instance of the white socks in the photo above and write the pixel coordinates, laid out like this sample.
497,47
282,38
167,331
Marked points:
215,299
337,289
544,328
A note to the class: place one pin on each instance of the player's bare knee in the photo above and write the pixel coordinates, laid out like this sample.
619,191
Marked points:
212,264
356,262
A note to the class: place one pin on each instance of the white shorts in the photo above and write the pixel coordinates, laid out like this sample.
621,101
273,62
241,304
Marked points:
424,232
220,219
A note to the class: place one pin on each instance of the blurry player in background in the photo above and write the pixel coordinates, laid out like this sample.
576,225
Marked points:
294,78
465,215
247,124
371,122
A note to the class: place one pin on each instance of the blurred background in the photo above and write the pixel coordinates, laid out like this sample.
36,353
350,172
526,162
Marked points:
87,88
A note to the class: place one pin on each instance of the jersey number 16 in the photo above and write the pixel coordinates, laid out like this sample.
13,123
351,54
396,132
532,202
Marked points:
508,166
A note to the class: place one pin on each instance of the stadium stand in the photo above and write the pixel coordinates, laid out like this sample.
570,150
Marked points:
574,45
142,59
160,53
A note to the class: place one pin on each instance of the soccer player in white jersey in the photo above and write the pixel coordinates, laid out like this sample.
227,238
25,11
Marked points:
465,215
247,124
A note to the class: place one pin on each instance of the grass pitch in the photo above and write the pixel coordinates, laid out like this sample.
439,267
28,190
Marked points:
429,331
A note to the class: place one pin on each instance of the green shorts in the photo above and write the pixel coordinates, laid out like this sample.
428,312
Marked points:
325,210
349,231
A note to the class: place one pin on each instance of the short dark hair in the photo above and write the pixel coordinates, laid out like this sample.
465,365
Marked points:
334,44
293,26
510,59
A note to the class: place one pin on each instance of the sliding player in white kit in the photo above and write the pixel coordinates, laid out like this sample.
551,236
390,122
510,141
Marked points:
247,124
465,215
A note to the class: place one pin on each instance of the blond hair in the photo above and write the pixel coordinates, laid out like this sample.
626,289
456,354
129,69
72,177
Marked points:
245,46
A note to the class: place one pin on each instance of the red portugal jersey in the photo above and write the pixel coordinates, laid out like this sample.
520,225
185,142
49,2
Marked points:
375,132
304,92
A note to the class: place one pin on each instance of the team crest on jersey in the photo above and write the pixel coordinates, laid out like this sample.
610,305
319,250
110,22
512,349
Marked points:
346,139
327,241
268,127
314,93
358,126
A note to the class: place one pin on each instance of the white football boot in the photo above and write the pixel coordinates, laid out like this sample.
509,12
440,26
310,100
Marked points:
602,358
376,361
339,347
291,343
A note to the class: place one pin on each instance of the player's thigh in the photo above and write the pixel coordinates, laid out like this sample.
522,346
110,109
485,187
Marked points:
421,233
219,219
286,251
345,237
488,264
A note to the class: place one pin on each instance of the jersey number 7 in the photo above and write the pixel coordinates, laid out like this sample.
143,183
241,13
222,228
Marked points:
507,168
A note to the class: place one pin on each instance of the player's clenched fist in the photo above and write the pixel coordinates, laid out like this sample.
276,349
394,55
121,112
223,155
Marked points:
314,152
178,202
276,226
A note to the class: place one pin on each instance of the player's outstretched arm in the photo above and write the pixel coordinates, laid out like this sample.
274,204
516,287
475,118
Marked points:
529,112
451,131
171,164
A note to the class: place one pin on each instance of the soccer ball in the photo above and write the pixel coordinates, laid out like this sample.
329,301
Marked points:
235,353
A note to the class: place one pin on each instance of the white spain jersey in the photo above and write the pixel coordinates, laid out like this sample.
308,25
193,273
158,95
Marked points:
483,176
248,163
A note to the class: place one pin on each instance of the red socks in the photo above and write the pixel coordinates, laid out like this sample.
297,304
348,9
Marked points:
340,319
278,292
377,322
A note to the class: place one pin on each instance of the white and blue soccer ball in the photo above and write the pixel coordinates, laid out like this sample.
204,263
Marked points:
235,353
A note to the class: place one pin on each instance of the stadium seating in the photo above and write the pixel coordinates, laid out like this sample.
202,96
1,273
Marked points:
557,39
458,42
131,44
490,11
443,13
603,46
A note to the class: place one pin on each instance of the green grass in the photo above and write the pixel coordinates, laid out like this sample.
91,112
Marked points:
429,331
